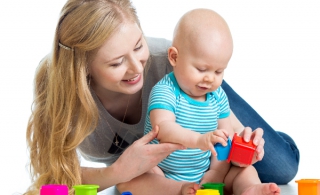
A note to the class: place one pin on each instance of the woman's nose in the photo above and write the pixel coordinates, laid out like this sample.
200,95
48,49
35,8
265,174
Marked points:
135,66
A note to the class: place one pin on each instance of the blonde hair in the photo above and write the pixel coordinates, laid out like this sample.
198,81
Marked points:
64,112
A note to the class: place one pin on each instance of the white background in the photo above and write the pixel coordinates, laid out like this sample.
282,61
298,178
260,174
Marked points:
275,67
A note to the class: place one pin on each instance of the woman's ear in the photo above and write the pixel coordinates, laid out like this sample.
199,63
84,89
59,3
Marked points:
172,56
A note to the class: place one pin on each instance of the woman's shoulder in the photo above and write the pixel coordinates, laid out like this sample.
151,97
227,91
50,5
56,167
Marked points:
160,65
158,46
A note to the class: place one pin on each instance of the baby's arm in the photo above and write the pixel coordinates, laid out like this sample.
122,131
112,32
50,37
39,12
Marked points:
219,169
170,131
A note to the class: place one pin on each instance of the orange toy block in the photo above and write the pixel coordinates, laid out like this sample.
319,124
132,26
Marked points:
308,186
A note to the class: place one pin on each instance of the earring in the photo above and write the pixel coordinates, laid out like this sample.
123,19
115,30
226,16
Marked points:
88,76
89,79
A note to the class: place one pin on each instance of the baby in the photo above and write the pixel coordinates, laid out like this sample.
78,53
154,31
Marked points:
190,108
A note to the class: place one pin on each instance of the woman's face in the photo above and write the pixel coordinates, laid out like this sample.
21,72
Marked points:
118,65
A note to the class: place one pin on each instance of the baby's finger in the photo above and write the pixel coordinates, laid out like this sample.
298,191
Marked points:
260,145
260,150
260,155
213,151
246,133
226,133
221,133
217,139
257,136
243,165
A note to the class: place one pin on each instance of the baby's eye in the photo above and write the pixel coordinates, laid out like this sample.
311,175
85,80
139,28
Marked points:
201,69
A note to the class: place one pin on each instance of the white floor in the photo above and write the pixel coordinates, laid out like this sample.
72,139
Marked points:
275,67
290,189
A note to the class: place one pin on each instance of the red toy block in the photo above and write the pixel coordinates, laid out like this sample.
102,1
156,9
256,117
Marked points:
241,152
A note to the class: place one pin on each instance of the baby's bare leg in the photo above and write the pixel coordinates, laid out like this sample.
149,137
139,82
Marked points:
189,188
245,181
217,172
154,181
186,188
156,170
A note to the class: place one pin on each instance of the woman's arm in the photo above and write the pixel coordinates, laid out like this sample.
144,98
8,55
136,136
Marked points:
135,160
104,177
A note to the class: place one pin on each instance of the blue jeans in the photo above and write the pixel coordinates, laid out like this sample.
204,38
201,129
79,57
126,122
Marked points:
281,159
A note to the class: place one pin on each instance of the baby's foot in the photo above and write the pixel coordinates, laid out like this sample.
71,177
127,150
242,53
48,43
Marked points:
263,189
189,188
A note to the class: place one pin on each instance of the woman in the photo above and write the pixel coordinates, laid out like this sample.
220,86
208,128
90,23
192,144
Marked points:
91,95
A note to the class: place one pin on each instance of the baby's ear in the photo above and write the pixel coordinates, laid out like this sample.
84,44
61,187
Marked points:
172,55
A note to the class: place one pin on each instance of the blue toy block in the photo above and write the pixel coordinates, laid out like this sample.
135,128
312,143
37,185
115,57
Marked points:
223,151
126,193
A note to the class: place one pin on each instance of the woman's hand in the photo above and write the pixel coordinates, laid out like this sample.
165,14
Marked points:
256,136
142,156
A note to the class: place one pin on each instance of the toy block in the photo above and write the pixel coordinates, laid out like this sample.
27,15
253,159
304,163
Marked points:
308,186
207,192
214,186
54,189
126,193
223,151
85,189
241,152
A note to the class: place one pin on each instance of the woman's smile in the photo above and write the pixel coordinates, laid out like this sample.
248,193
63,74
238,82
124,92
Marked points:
133,80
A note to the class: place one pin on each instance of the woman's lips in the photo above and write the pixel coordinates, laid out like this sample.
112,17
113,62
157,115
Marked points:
133,80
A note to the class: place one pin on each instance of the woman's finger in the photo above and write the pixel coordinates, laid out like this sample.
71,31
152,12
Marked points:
150,136
165,148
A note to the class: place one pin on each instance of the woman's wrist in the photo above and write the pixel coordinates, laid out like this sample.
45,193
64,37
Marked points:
104,177
115,174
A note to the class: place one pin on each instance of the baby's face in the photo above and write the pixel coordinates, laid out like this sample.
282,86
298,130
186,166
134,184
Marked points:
200,66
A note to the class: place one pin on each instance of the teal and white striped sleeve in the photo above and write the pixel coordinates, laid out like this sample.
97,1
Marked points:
223,103
162,97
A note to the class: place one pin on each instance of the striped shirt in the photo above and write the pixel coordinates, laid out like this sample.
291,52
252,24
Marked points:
189,164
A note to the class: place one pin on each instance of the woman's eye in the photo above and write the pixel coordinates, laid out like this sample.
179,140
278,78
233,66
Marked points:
137,48
115,65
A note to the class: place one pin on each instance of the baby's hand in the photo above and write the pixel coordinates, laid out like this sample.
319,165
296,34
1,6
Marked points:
256,136
208,140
